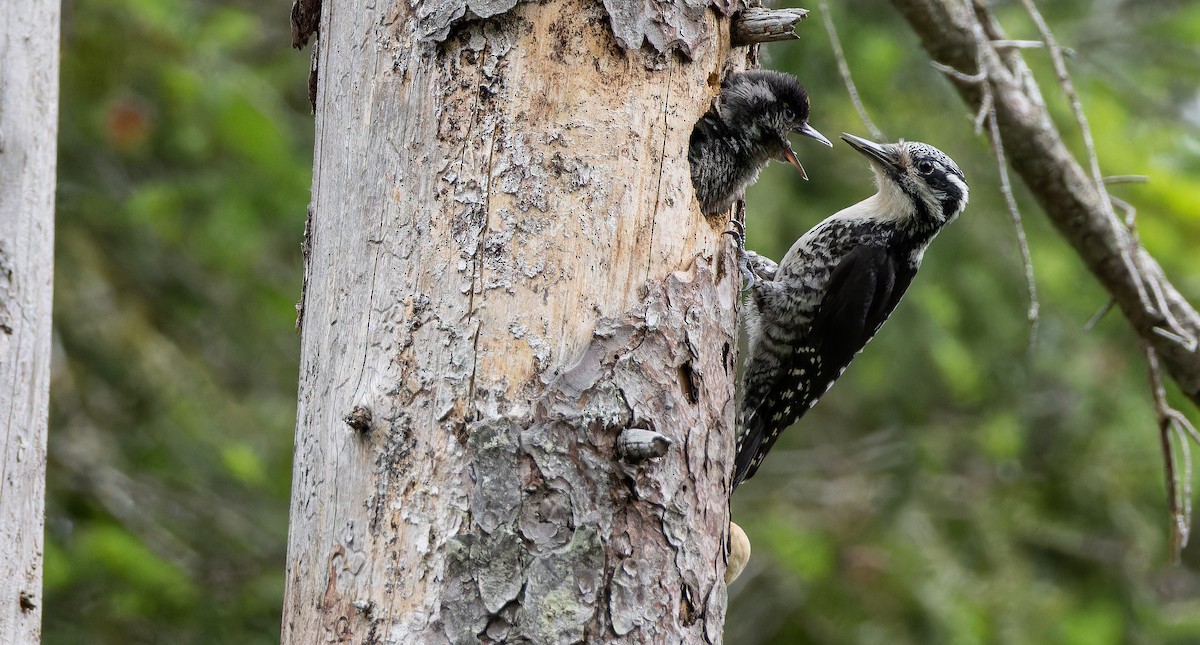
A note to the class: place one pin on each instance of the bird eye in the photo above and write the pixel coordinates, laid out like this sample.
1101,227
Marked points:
787,114
925,166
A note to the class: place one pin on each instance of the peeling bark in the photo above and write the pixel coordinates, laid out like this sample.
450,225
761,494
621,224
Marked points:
28,127
761,25
306,15
584,546
506,270
668,26
1062,187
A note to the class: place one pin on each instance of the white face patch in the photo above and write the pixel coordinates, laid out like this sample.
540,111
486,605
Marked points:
962,187
893,204
927,176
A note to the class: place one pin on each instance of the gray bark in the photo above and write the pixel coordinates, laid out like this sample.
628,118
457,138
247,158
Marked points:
1060,184
761,25
28,126
506,271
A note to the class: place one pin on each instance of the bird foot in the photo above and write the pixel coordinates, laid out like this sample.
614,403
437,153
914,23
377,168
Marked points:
745,261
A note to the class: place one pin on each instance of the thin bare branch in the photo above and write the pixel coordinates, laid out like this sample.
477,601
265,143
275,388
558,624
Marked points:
1184,424
1068,88
1126,179
1099,315
1015,213
1171,422
987,114
1175,330
979,78
844,70
949,31
1130,214
1058,61
1077,203
963,77
1017,44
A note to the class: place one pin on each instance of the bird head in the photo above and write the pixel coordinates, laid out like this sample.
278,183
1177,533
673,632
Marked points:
916,181
771,106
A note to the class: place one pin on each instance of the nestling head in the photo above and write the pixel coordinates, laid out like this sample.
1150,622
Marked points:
772,105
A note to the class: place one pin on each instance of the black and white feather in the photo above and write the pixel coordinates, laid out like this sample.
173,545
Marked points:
808,316
747,126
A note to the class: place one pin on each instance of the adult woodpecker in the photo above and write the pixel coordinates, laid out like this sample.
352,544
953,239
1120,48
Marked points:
808,316
747,126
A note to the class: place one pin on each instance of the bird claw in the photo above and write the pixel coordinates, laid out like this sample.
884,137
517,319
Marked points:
738,233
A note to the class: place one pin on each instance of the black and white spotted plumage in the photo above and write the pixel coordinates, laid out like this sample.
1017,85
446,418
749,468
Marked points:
747,126
808,316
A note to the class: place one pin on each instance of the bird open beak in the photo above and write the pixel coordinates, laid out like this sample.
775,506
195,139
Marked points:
811,132
873,151
790,157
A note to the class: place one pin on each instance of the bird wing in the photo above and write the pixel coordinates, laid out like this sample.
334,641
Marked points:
861,292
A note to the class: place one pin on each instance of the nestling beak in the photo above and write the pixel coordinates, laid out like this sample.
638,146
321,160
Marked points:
882,155
790,157
811,132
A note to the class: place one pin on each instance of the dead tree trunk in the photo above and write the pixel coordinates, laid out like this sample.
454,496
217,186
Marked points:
506,269
28,127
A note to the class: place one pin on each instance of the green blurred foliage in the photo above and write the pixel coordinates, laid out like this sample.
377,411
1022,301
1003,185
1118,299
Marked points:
957,486
185,158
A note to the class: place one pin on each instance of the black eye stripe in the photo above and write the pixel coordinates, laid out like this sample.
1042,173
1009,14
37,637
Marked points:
937,178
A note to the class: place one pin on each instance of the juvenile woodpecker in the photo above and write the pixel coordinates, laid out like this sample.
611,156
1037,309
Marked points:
808,316
747,125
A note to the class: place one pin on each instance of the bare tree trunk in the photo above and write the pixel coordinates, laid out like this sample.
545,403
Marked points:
28,127
506,269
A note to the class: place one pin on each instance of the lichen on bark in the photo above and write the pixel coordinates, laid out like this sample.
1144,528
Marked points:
558,542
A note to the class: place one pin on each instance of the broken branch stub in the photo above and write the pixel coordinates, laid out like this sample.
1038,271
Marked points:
636,445
760,25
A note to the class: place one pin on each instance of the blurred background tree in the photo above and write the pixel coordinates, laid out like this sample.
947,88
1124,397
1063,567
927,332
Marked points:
957,486
184,170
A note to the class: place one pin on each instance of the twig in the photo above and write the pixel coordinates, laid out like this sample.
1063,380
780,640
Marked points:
1130,214
1176,333
1173,422
1091,324
1170,421
1068,88
1126,179
1188,343
1017,44
1064,80
970,79
986,102
844,70
987,114
1188,430
1159,305
1015,214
